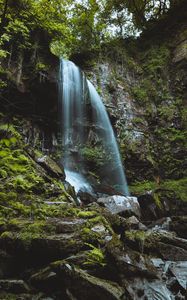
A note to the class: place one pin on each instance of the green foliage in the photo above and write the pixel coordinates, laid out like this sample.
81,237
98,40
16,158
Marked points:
95,155
178,188
155,59
139,188
95,256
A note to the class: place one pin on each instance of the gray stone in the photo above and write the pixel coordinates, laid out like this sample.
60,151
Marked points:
134,223
67,225
127,206
179,270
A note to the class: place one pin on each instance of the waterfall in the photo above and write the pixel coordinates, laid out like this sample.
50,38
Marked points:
71,105
108,138
81,108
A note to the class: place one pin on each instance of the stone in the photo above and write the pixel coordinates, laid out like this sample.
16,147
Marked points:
51,167
134,223
125,206
129,263
86,197
179,225
161,224
162,244
45,280
149,209
13,285
43,248
85,286
179,270
143,288
67,225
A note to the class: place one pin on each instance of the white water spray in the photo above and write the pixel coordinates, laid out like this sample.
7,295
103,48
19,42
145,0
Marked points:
76,94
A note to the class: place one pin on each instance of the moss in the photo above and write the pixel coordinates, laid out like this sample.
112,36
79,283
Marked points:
89,236
139,188
135,235
157,200
87,214
21,209
178,187
95,256
95,156
3,173
6,234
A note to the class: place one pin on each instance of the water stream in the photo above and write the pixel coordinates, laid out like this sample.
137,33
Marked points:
81,108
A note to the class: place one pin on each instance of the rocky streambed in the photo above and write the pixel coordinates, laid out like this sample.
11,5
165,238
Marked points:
90,252
109,247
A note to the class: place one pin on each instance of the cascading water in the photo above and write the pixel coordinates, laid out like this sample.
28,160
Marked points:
81,105
71,104
108,139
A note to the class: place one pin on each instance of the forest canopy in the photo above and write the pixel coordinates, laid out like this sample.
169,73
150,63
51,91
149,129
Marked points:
74,25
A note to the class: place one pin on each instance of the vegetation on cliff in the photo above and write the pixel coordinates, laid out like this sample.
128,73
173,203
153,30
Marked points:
51,245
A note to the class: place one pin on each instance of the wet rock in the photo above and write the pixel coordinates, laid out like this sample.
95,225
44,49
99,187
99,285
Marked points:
67,225
51,167
161,224
42,249
70,189
149,209
128,263
13,286
84,286
179,270
179,225
106,190
45,280
134,223
142,288
126,206
86,197
157,243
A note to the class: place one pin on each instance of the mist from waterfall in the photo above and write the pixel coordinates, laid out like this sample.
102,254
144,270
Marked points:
80,107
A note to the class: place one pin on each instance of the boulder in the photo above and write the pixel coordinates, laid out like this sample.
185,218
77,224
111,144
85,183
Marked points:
134,223
143,288
86,197
179,271
51,167
41,249
161,224
125,206
179,225
69,280
67,225
160,244
149,209
128,263
85,286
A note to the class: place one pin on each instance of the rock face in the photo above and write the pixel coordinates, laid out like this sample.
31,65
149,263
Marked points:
139,90
119,247
51,166
126,206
